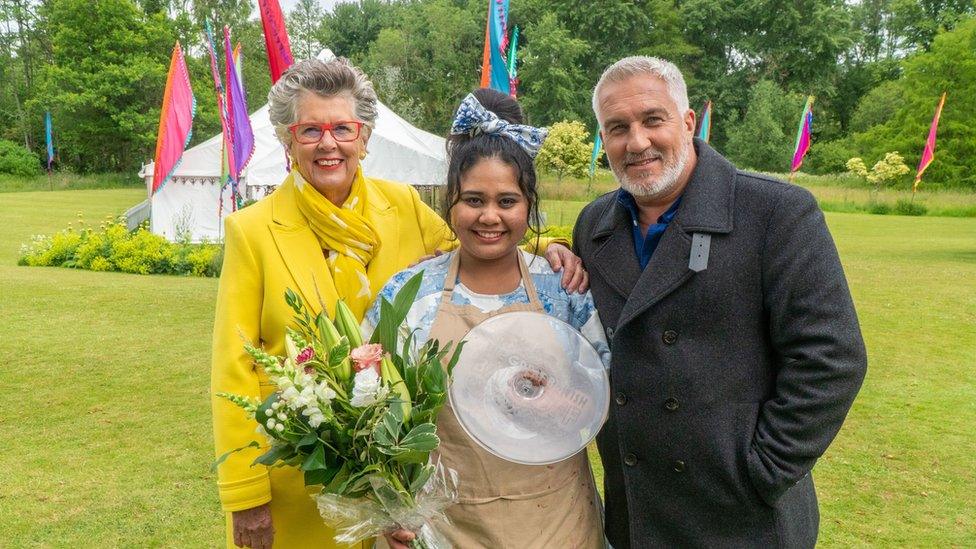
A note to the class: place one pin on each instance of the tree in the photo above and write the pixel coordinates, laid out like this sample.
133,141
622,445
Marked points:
949,66
105,84
436,48
566,150
305,29
552,79
763,139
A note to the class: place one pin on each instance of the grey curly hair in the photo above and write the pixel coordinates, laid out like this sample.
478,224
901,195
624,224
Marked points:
326,78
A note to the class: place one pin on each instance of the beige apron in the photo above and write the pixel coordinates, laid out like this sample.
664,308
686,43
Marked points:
503,504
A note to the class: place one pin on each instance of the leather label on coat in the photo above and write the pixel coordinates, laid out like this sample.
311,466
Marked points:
700,243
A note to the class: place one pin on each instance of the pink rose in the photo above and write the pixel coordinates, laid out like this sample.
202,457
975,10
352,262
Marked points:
367,356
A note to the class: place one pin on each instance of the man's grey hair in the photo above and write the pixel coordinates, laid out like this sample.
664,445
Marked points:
642,65
325,78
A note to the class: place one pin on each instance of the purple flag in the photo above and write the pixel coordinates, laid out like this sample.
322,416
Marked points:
241,134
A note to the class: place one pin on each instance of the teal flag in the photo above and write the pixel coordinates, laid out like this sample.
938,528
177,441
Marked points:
597,144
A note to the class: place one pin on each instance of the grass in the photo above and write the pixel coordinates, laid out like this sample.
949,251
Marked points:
66,181
835,193
105,404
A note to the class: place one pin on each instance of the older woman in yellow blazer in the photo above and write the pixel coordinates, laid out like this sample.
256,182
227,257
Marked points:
327,232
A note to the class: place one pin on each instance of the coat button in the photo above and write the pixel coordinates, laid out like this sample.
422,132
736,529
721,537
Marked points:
630,460
621,399
669,337
609,333
671,404
679,466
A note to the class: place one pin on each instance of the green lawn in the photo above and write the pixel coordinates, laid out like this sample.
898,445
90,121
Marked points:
105,405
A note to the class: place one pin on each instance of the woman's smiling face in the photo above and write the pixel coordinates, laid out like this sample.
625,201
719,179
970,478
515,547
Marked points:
329,165
491,215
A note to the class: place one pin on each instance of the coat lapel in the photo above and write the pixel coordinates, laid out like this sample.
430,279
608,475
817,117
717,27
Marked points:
616,259
300,251
706,207
666,272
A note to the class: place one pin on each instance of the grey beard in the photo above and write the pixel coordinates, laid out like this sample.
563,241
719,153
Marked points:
660,186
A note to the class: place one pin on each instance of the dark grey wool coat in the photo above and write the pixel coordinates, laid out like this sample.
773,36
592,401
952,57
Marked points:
727,383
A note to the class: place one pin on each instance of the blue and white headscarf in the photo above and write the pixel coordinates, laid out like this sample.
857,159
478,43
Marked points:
473,118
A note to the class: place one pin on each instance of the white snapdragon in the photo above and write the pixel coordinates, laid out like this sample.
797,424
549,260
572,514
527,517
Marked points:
324,393
367,388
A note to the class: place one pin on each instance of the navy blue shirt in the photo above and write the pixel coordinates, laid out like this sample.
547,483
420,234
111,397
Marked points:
644,245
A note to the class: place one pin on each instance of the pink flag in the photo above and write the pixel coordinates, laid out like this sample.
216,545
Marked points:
175,120
803,135
929,153
275,38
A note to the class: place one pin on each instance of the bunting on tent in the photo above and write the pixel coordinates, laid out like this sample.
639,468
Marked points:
49,140
175,120
494,68
929,153
275,38
705,122
803,136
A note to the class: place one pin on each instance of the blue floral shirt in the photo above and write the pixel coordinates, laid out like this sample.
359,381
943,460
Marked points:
576,310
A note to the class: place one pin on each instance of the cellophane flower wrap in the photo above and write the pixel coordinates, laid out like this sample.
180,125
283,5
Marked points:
359,419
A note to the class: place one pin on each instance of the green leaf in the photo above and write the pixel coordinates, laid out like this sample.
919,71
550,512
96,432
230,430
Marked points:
454,357
315,460
320,476
294,301
387,430
274,455
393,314
223,457
339,353
412,457
338,480
422,438
421,479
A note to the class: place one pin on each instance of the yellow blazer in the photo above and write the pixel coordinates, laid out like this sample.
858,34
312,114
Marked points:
268,247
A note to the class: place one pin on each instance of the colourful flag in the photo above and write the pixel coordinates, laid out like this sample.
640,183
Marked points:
803,135
494,68
486,55
241,135
275,38
512,65
49,139
175,120
211,45
929,153
597,144
705,122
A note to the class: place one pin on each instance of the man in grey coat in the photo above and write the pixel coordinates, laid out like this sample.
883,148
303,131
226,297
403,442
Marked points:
736,348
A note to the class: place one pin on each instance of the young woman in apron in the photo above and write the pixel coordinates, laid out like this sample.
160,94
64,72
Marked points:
492,198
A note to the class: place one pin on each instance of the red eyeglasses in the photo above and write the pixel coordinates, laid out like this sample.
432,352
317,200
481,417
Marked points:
309,133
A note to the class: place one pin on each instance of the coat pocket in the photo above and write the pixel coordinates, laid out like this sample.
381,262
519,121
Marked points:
726,432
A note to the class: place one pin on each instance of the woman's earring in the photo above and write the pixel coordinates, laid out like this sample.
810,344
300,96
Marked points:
362,154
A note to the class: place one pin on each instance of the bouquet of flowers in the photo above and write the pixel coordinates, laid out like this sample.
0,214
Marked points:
359,419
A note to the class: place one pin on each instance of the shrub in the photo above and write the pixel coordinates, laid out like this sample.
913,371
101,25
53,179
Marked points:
113,248
907,207
879,208
566,150
18,160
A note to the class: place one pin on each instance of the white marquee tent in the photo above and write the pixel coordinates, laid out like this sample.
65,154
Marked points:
190,202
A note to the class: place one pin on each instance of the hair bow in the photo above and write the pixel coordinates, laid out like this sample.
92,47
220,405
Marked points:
472,117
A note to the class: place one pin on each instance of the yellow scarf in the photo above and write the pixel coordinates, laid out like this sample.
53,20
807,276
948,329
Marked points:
345,231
